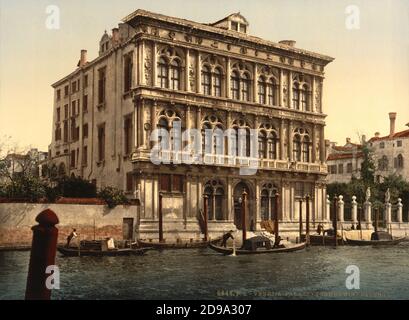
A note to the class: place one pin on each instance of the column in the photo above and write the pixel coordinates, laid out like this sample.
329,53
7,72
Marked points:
328,209
141,62
322,145
281,89
187,63
198,72
135,76
141,123
341,209
135,124
255,80
290,140
354,208
290,89
368,211
282,151
228,73
388,213
198,118
311,97
400,206
314,143
154,64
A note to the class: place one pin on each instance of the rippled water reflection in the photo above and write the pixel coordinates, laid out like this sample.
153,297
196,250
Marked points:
203,274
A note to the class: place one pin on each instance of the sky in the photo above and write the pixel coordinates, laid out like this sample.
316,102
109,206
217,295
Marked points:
368,79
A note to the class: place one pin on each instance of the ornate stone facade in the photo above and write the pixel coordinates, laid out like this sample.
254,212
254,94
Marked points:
206,76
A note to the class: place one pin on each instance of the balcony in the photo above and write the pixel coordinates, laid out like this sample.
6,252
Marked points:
191,158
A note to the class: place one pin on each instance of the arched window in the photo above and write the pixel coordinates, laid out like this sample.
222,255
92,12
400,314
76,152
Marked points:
207,149
175,75
262,145
265,211
261,91
399,161
215,192
268,208
164,124
296,96
271,93
383,163
217,83
206,78
218,203
235,85
304,98
272,146
297,148
163,73
209,193
306,149
245,87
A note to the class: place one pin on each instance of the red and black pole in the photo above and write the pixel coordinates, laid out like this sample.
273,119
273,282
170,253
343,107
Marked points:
43,251
335,221
307,220
277,215
244,215
300,237
205,218
160,218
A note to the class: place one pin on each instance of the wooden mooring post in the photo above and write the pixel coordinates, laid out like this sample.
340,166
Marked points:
160,218
244,216
307,220
300,219
277,216
205,217
335,221
43,252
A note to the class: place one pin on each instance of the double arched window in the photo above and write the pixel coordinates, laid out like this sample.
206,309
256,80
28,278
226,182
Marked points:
301,96
211,81
166,121
214,190
212,143
240,86
242,132
268,207
169,69
267,91
267,142
301,146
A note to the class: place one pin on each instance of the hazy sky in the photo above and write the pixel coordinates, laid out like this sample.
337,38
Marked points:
368,79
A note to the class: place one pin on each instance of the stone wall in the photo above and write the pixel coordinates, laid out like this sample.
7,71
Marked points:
16,220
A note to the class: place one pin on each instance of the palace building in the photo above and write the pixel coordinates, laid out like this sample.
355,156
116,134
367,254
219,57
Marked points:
154,70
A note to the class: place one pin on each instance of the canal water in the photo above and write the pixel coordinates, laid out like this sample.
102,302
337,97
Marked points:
318,273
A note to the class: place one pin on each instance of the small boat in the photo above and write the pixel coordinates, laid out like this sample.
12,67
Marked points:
319,240
377,239
257,245
75,252
176,245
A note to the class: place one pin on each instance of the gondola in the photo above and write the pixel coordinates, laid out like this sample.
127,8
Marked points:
75,252
252,247
375,242
175,245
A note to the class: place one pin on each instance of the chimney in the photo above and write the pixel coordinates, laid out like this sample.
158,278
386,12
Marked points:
377,134
290,43
392,118
115,35
363,138
348,140
83,59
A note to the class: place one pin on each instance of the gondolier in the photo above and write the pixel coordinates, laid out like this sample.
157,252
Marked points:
71,236
227,236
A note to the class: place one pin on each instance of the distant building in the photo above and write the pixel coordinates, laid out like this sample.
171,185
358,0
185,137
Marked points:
20,163
391,152
344,162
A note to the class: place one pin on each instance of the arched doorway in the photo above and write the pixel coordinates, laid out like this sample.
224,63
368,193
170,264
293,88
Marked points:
237,197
